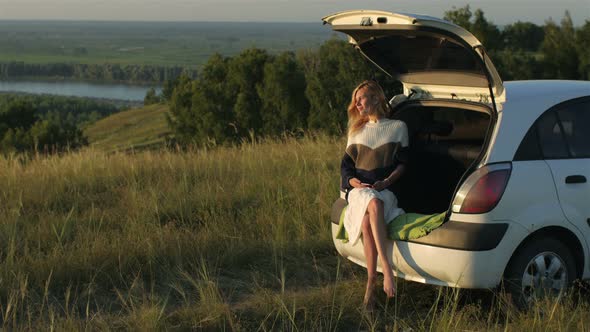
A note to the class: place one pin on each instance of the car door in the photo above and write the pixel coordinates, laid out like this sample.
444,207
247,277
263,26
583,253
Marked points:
564,136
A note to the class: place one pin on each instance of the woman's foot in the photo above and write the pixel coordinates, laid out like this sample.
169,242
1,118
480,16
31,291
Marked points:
369,304
369,300
388,285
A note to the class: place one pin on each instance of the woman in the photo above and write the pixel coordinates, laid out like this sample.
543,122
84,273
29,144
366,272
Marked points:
373,162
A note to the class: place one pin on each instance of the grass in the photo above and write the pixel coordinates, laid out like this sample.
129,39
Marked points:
234,238
137,128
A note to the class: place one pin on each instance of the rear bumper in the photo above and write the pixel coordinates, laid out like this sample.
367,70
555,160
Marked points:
452,234
444,265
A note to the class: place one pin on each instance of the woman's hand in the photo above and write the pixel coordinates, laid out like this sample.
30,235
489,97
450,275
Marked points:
380,185
356,183
391,179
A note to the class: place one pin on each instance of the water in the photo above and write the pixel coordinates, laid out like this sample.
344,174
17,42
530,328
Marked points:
78,89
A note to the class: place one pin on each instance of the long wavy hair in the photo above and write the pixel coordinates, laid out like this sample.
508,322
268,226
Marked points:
356,121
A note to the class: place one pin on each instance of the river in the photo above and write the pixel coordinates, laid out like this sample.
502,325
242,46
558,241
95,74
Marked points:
79,89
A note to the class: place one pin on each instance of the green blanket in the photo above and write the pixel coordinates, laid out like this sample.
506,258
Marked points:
406,226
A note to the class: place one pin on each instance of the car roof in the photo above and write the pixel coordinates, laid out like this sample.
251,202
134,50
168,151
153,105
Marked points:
545,92
525,102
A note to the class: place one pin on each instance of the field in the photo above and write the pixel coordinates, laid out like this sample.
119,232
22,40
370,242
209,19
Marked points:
148,43
230,238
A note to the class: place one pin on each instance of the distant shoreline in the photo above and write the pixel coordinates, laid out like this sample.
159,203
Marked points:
116,102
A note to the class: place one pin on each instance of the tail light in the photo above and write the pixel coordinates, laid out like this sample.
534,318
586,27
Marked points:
482,190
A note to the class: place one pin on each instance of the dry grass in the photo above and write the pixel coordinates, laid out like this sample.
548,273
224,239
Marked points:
235,238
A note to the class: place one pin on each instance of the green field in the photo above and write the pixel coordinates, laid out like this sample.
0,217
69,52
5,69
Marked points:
148,43
231,238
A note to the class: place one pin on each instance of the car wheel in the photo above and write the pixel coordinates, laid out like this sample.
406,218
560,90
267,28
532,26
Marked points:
541,268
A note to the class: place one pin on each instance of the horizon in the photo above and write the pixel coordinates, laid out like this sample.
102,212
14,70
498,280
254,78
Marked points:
273,11
319,23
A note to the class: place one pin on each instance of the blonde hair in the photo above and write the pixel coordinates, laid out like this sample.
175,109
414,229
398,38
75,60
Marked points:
356,120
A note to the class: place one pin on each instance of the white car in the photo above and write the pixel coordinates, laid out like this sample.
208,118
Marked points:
509,162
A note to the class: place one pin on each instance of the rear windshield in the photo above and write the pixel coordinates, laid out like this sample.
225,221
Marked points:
403,54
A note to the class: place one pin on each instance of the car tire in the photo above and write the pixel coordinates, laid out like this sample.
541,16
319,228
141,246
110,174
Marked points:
543,267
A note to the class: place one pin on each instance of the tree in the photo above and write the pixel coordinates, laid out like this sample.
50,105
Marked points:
582,42
168,88
516,65
182,121
331,77
523,36
18,113
560,56
486,32
21,129
55,135
460,16
151,97
213,102
246,73
284,104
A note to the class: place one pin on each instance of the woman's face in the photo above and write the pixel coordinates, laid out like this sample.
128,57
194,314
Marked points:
364,102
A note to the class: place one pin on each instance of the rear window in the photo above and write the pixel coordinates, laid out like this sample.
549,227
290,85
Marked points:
551,137
575,121
403,54
411,54
560,133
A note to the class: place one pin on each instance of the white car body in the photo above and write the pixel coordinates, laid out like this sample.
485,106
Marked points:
537,203
525,209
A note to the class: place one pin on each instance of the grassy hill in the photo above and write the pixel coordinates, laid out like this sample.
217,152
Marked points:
137,128
232,238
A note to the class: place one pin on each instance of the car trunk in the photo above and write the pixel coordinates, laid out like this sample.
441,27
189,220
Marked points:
446,139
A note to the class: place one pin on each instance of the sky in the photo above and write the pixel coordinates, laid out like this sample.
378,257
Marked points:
499,12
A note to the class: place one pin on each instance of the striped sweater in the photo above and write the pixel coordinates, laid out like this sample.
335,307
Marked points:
374,151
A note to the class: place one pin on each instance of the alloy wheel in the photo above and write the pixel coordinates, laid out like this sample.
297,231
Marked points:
544,275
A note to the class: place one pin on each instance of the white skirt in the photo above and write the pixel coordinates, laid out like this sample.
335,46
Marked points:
358,200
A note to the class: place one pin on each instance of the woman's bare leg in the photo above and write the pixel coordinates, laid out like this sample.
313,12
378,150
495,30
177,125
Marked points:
371,260
375,210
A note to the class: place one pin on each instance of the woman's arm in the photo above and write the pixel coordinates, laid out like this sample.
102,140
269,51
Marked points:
391,179
347,172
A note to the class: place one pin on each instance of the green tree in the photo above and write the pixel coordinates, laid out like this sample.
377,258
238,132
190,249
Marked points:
284,104
151,97
331,75
213,102
486,32
517,65
55,135
582,42
476,23
17,113
560,56
523,36
168,88
460,16
246,73
181,120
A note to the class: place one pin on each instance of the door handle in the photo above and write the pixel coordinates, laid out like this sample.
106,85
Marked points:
575,179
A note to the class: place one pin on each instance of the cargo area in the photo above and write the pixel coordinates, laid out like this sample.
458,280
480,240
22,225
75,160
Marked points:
446,138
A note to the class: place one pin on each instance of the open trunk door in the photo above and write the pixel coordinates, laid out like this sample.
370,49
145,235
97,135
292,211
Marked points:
430,56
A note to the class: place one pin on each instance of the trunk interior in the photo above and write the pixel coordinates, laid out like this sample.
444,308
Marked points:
445,139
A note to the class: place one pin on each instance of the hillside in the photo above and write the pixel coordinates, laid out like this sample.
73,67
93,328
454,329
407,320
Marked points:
232,238
137,128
